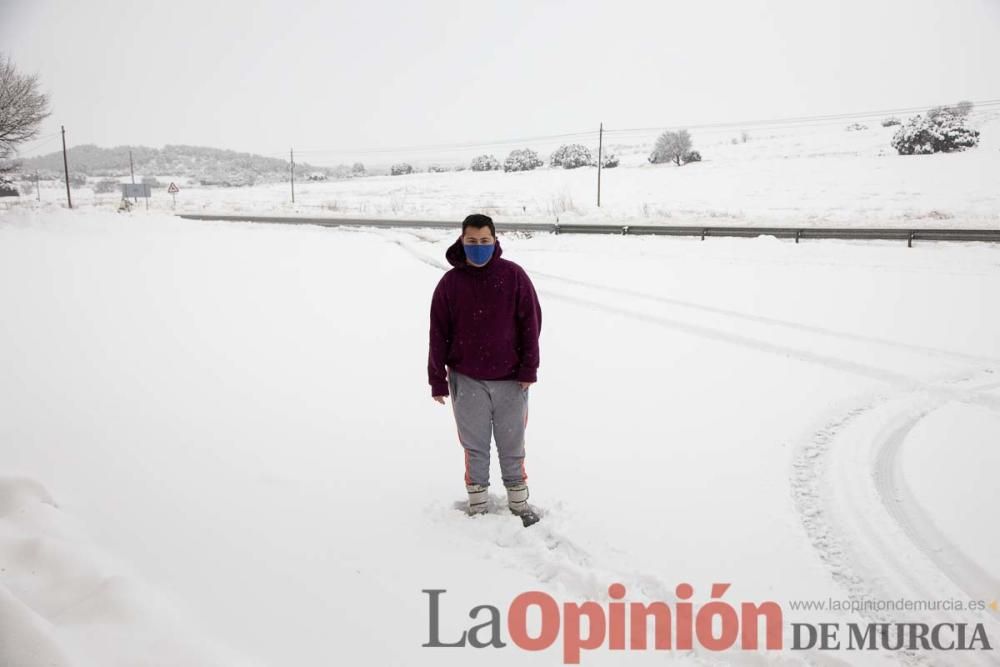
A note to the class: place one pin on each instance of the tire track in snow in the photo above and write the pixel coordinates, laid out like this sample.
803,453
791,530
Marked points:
773,321
900,502
702,331
715,310
877,543
898,380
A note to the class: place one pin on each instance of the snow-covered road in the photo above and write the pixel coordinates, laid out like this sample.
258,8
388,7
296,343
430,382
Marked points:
218,440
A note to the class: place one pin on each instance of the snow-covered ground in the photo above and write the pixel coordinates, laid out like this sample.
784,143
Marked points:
811,175
218,445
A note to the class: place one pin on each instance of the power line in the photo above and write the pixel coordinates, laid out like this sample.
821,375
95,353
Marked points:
442,147
774,123
791,122
35,145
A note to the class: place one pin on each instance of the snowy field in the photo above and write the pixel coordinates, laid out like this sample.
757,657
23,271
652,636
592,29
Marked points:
218,445
802,176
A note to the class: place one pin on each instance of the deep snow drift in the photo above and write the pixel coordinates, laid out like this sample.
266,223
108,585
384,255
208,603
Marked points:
218,445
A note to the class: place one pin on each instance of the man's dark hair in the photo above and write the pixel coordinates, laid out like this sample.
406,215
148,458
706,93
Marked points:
478,220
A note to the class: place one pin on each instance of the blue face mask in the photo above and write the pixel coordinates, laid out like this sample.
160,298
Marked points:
478,253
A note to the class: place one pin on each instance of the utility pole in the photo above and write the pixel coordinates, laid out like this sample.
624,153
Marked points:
600,160
37,189
131,166
291,170
69,199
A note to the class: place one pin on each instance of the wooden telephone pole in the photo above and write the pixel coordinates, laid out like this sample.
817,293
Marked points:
600,159
131,166
69,198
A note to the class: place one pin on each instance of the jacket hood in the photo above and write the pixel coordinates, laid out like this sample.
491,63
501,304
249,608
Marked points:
456,255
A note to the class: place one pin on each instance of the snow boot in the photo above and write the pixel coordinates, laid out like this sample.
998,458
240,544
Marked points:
517,501
477,498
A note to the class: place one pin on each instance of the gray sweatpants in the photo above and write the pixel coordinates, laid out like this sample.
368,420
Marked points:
482,406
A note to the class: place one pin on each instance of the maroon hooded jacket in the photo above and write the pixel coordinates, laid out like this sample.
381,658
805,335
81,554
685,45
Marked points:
485,321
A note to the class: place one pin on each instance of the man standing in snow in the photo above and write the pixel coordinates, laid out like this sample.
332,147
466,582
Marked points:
484,327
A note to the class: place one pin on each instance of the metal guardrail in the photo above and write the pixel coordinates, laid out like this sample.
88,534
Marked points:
797,233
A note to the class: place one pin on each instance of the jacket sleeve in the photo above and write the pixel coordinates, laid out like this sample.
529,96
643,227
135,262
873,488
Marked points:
440,340
529,326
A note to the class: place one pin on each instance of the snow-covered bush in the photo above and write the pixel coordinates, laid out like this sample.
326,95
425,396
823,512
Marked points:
671,147
961,110
940,131
106,185
691,156
78,180
436,169
522,160
220,176
358,169
890,121
853,127
609,160
400,168
317,176
152,182
571,156
7,187
485,163
341,171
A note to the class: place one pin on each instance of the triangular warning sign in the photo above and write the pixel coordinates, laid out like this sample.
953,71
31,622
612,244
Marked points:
173,189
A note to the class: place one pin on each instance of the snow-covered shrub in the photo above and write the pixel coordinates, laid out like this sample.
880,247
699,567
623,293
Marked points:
152,181
522,160
401,168
106,185
671,147
890,121
856,126
226,178
961,110
317,176
941,131
358,169
7,187
78,180
691,156
436,169
341,171
571,156
485,163
609,161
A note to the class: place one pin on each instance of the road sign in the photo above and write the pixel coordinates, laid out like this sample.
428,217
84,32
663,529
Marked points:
136,190
173,189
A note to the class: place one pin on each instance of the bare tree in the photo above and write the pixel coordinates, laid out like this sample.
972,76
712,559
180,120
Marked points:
22,107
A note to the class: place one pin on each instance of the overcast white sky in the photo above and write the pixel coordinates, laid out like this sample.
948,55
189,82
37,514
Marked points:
265,75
